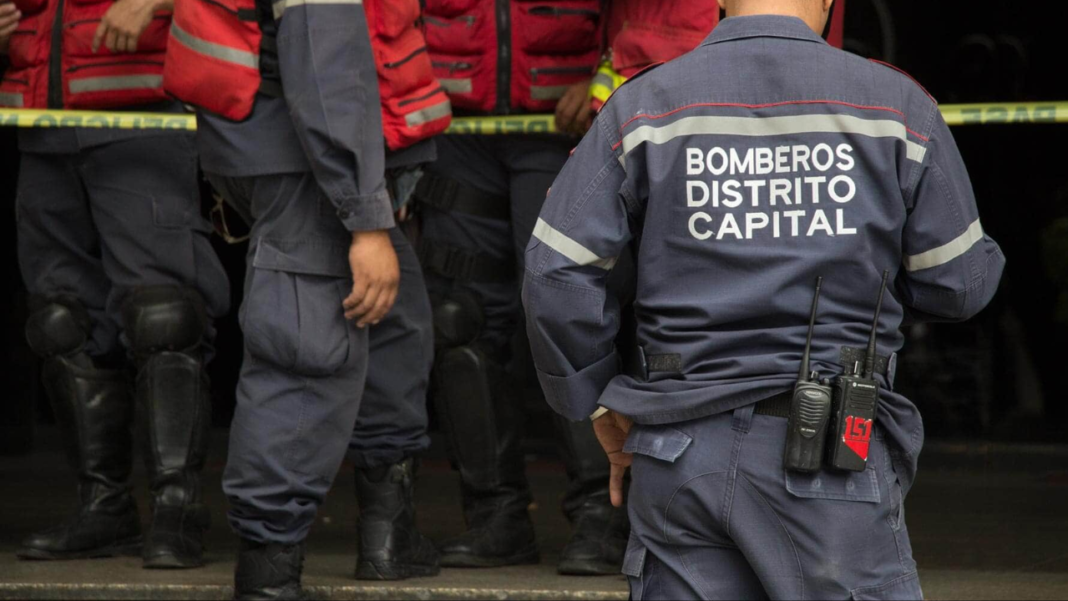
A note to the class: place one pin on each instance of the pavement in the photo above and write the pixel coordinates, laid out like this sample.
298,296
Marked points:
987,522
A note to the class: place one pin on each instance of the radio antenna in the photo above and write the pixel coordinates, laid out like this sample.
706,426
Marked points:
804,374
869,359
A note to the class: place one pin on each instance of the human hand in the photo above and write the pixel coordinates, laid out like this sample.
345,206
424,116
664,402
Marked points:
612,430
9,22
124,23
574,115
375,277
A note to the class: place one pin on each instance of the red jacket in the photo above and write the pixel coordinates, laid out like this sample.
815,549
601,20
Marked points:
502,56
639,33
89,80
214,63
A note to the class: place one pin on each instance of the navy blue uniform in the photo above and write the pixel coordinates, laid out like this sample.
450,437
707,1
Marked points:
307,169
745,169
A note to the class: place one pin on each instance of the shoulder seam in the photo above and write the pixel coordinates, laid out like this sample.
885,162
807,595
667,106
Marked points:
906,74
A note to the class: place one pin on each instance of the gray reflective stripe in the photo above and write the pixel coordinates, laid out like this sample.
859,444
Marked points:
946,253
559,242
430,113
10,99
223,53
122,82
281,6
773,126
548,92
457,86
603,79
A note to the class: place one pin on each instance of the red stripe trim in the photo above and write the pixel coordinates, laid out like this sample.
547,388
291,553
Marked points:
765,106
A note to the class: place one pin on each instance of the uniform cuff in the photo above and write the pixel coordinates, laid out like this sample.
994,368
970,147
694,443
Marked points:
366,213
576,396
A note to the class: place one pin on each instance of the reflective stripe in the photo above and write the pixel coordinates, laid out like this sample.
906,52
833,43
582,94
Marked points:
430,113
281,6
11,99
569,248
606,80
946,253
121,82
773,126
223,53
457,86
547,92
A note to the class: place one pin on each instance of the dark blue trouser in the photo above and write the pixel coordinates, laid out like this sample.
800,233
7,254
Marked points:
715,516
393,416
303,379
305,364
98,223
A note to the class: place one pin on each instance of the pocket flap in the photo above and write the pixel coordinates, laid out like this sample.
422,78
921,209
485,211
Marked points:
861,487
659,442
634,562
906,587
307,257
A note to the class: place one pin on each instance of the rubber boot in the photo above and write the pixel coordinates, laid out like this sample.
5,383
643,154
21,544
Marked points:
270,572
172,391
94,412
485,431
599,531
390,546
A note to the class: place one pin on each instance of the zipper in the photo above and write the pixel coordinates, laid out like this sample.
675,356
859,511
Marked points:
114,64
421,98
534,73
55,60
468,19
452,67
504,57
406,59
554,11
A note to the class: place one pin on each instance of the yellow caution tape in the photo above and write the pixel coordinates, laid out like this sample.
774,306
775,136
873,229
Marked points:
954,114
96,119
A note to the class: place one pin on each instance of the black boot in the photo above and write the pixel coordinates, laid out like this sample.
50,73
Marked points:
390,546
93,409
485,431
599,531
165,327
269,572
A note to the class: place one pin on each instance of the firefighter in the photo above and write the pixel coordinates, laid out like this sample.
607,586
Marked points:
815,162
479,202
124,283
291,134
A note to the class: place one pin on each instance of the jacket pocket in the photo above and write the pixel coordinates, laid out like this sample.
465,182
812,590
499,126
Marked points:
904,588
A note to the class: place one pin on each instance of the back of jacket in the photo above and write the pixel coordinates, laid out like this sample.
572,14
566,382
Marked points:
747,168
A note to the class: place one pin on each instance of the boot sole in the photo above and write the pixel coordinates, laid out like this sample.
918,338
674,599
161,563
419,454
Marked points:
463,560
368,570
171,561
128,547
588,567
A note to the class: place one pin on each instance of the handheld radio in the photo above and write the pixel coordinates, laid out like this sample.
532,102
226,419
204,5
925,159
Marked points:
856,400
810,410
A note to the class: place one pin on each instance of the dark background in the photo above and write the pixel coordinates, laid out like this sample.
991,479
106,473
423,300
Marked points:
1000,377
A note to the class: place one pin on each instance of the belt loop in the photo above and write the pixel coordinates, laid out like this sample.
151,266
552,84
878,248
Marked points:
742,419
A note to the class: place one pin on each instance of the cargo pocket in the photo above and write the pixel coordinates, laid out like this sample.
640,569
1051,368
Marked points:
634,567
295,320
904,588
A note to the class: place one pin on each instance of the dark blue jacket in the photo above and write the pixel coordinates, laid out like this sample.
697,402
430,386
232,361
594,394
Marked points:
744,170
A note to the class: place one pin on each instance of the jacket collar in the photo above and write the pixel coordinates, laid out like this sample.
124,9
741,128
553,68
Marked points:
762,26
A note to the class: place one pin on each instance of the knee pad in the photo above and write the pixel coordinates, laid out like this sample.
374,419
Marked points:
458,320
164,318
58,326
